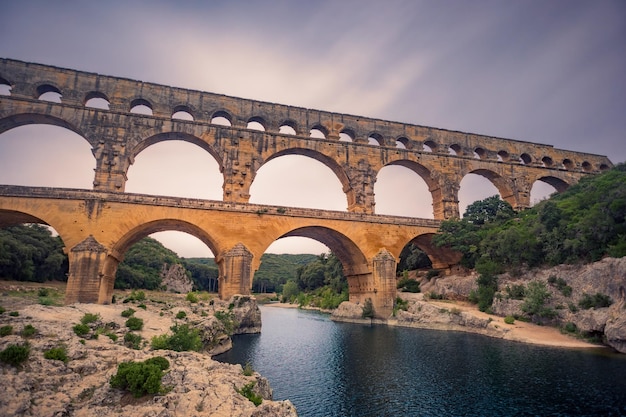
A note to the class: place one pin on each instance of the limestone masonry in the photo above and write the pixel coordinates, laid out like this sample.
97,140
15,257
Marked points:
99,225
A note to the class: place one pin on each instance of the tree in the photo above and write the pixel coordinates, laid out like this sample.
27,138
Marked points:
488,210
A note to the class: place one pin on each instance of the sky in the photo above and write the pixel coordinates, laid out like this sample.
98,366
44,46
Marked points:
546,71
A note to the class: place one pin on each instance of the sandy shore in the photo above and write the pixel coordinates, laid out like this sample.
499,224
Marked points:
518,331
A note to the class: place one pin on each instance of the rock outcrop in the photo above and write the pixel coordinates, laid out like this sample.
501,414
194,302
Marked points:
174,278
606,277
196,385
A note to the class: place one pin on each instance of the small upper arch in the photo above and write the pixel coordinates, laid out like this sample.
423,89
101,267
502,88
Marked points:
403,142
347,135
429,146
182,112
97,100
49,92
141,106
375,139
5,87
319,132
288,127
256,123
222,118
455,149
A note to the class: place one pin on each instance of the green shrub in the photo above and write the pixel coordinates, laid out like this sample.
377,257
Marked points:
43,292
228,320
159,361
192,297
408,285
135,296
368,309
58,353
133,341
598,300
247,369
183,338
6,330
81,329
181,315
247,391
128,312
142,305
15,354
139,378
46,301
534,303
2,310
516,292
561,285
570,327
134,323
28,331
14,313
432,274
509,319
90,318
111,336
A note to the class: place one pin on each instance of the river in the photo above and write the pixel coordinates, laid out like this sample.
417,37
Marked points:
342,369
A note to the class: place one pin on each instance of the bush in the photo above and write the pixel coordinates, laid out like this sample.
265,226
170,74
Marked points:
28,331
2,309
247,369
6,330
135,296
133,341
561,285
139,378
142,305
228,320
14,313
58,353
181,315
159,361
509,319
598,300
247,391
400,304
111,336
534,303
432,274
516,292
408,285
15,354
134,323
570,327
90,318
183,338
128,312
192,297
46,301
368,309
81,329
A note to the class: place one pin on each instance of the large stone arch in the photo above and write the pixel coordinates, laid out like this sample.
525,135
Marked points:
153,139
329,162
425,174
559,184
440,257
507,192
23,119
115,254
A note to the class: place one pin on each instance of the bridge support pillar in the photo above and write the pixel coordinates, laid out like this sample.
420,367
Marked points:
377,286
235,272
86,261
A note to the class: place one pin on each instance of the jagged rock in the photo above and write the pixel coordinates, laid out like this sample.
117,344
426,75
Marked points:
247,314
349,312
174,278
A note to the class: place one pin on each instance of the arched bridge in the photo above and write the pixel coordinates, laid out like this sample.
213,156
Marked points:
98,225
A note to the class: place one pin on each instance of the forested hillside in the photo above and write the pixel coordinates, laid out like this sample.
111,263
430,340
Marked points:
582,224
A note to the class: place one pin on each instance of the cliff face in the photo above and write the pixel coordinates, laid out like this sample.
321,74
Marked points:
197,385
606,277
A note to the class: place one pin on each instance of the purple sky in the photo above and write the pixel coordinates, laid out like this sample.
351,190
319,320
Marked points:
546,71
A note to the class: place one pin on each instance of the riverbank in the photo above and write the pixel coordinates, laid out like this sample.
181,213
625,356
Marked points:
195,384
486,324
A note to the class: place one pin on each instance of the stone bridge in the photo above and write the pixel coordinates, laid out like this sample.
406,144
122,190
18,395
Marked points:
98,225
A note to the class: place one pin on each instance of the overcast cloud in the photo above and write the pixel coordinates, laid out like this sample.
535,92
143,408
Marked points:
548,71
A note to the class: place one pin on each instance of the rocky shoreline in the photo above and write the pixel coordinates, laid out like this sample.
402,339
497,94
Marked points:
606,277
195,384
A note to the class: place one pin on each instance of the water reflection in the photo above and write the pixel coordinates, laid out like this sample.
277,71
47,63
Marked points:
340,369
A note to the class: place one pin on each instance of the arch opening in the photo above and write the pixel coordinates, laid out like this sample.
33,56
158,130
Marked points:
402,143
454,150
318,132
375,139
476,186
541,190
221,118
288,127
141,106
299,178
97,100
170,164
256,123
46,156
525,159
346,135
5,87
182,113
400,190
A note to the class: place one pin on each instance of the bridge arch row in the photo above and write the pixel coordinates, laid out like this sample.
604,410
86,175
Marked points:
29,81
240,153
96,240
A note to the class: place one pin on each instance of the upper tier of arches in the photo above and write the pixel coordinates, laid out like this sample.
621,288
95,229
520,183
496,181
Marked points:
120,95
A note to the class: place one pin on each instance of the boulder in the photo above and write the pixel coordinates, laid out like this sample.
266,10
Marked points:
174,278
